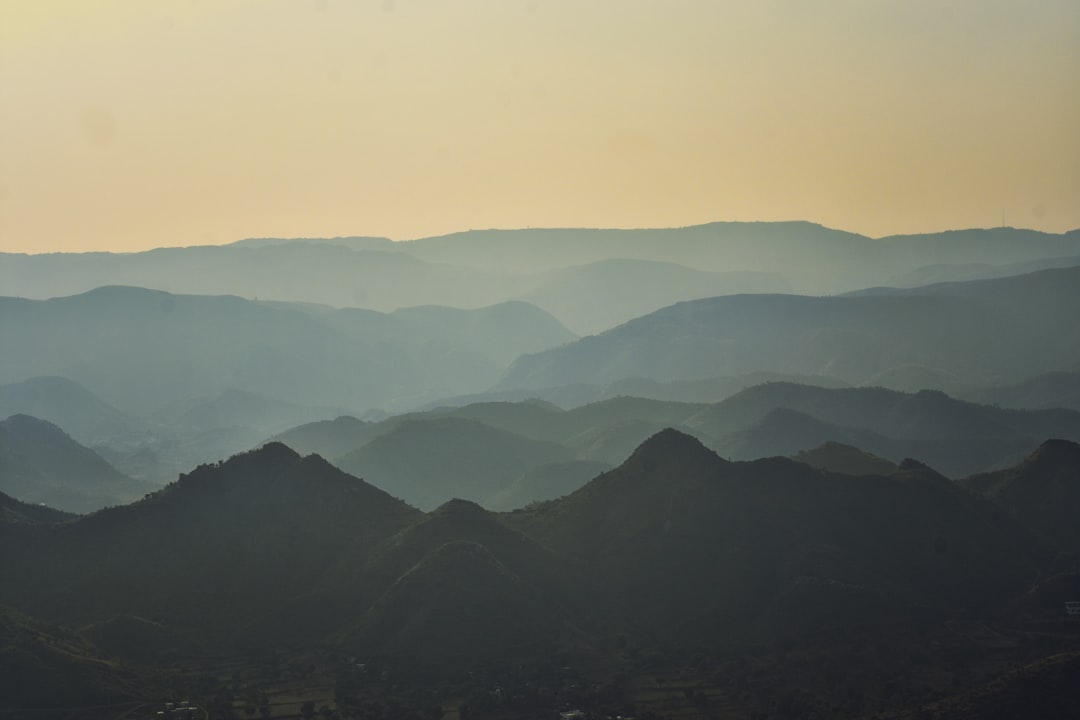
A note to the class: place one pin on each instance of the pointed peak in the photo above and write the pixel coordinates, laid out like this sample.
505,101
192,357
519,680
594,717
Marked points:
670,442
272,454
1056,451
457,507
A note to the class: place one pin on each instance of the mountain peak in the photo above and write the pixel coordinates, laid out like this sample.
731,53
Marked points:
273,453
671,443
1056,451
459,507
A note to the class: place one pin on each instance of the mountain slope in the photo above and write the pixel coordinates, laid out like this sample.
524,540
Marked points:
682,544
957,437
596,296
69,405
16,510
144,349
265,524
1043,492
427,462
836,457
40,463
584,273
1001,331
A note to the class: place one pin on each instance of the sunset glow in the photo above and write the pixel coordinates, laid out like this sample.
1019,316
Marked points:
126,125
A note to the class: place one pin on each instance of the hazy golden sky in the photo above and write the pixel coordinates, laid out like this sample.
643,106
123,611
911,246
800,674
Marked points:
128,124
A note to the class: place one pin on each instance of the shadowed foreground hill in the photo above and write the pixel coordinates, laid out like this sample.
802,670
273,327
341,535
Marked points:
682,544
16,510
1042,492
265,524
676,548
42,665
1044,689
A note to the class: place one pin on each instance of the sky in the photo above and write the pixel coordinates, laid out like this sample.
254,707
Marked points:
127,124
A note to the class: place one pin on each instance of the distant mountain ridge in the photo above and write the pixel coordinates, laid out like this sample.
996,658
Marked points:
143,349
504,455
990,332
559,269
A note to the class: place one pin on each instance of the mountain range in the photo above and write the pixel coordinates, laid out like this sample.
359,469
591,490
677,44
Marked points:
590,280
143,350
676,547
991,332
504,455
729,470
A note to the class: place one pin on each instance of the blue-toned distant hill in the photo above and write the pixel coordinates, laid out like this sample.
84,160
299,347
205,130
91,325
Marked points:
66,403
954,437
143,350
503,454
41,464
991,332
1053,389
590,279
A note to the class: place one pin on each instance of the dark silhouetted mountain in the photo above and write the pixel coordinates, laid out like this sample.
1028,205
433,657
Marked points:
953,436
987,332
427,462
40,463
462,586
144,349
266,524
681,543
461,605
675,548
17,510
839,458
1043,492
